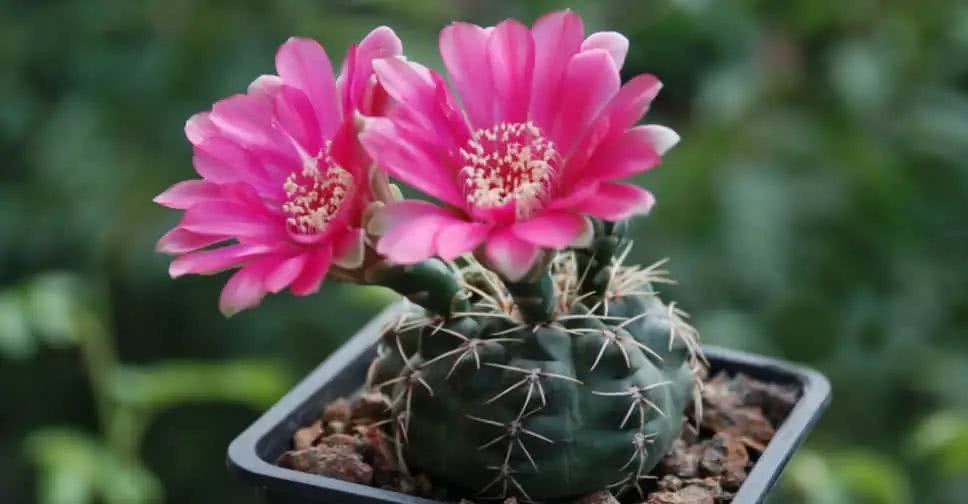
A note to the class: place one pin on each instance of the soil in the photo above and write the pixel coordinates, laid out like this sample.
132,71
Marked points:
705,466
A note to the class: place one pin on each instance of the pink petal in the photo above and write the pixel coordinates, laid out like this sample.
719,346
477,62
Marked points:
232,218
188,193
409,229
245,288
411,163
661,137
614,43
579,193
510,256
207,262
284,272
382,42
222,161
426,109
590,82
314,270
245,119
265,87
463,47
303,64
623,156
552,229
615,202
400,213
295,115
406,82
460,238
632,101
179,241
199,127
349,248
557,37
511,55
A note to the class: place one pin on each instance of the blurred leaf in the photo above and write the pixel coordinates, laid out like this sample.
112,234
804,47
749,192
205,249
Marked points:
16,341
77,469
53,305
943,437
848,477
256,383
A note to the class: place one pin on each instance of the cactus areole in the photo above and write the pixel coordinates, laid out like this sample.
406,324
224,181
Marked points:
491,403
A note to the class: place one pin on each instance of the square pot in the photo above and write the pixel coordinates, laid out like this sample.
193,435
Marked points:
252,454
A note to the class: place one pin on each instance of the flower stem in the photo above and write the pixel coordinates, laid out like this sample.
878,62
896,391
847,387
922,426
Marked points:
535,297
595,261
430,284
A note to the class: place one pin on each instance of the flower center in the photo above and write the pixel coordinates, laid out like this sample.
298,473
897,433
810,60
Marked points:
508,162
314,195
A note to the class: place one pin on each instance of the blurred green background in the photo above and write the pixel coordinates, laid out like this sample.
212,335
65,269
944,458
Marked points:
815,210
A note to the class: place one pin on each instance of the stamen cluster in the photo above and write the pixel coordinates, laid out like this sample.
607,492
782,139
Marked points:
508,162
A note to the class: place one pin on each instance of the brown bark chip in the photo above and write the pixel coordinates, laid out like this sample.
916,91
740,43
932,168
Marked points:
599,497
337,411
370,407
335,462
307,436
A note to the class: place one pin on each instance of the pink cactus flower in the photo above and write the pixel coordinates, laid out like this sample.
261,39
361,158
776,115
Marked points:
284,180
545,130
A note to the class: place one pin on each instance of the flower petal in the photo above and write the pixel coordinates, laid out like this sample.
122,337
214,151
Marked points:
207,262
661,137
623,156
349,249
552,229
382,42
614,202
245,288
463,47
614,43
179,241
222,161
510,256
199,127
590,82
408,230
313,272
411,163
188,193
295,114
460,238
232,218
510,51
284,272
303,64
632,101
557,37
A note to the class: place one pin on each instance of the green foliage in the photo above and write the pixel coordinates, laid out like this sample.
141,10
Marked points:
79,468
814,210
848,476
152,388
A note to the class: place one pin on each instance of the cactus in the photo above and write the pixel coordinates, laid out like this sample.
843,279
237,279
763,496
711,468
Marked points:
501,401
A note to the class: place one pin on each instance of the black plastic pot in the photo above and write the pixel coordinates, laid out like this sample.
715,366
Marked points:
252,453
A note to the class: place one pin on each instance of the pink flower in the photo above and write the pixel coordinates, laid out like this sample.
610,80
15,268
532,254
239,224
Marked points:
284,180
545,131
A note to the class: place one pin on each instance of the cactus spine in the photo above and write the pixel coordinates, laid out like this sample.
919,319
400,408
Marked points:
568,384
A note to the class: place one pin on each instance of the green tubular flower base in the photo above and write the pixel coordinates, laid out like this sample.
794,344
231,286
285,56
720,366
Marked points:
498,407
430,284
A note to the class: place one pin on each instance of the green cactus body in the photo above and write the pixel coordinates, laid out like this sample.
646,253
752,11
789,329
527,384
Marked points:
496,406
